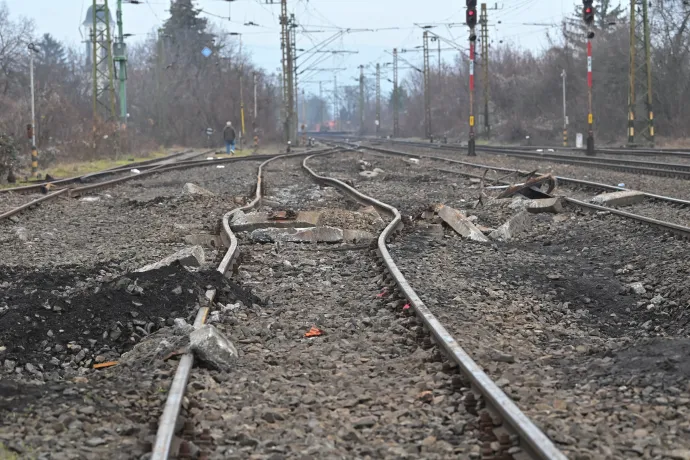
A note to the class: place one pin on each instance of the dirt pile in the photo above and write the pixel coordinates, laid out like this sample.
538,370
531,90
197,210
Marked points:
65,320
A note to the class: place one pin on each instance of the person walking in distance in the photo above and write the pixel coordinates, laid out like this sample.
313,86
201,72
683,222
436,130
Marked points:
229,135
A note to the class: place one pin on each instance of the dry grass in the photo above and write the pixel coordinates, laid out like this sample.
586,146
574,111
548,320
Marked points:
80,168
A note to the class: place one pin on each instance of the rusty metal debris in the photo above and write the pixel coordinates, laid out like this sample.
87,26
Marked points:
314,332
283,215
174,353
104,365
531,188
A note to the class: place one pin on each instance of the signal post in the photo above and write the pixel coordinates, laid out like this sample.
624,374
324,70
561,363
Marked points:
588,16
471,20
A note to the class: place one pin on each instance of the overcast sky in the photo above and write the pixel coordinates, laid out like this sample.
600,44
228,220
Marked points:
322,19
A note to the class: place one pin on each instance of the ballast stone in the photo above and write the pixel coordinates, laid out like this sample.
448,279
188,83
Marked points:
622,198
638,288
187,257
212,347
194,189
368,174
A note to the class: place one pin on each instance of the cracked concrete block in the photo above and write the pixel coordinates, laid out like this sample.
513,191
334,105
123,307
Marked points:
298,235
615,199
188,257
516,224
242,222
461,224
552,205
212,347
519,203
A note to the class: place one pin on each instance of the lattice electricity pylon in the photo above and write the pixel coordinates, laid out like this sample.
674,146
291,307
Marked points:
102,62
295,82
640,96
484,22
288,72
427,86
396,96
378,99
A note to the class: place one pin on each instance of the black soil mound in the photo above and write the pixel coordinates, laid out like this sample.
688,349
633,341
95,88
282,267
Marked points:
48,315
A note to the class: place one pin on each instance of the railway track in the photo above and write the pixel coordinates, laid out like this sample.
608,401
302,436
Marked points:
69,188
518,436
255,408
663,169
676,228
142,165
678,153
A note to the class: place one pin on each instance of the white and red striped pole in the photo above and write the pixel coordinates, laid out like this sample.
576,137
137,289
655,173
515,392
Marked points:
471,143
590,116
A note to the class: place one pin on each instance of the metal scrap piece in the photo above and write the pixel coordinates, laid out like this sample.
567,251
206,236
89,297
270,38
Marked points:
531,187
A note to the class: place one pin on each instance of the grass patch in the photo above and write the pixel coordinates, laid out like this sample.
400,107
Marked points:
80,168
6,454
62,170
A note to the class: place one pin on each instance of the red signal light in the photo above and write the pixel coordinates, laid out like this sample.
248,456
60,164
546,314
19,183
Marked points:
588,14
471,17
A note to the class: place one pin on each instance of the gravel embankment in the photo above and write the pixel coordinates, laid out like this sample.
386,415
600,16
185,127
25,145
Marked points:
552,315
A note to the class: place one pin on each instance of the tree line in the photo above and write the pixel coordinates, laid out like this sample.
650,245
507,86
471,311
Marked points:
174,92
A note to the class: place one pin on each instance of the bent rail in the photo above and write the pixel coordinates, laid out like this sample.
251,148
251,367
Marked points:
533,441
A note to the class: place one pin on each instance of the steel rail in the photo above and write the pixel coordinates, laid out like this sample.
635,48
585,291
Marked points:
171,411
21,208
173,403
182,165
74,192
683,153
641,167
675,228
227,235
681,171
533,441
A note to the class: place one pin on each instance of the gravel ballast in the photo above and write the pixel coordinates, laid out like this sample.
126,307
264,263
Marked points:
127,226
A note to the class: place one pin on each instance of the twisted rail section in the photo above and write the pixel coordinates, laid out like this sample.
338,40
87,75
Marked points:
171,411
532,440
